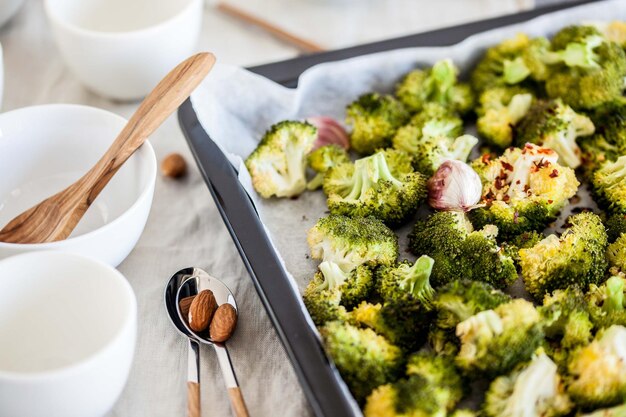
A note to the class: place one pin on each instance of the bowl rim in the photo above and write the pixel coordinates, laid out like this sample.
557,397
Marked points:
55,17
128,323
146,192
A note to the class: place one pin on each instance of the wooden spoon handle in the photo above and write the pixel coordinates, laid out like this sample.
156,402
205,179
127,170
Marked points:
193,399
160,103
236,400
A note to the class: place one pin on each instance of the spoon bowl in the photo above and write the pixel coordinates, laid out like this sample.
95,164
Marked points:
189,282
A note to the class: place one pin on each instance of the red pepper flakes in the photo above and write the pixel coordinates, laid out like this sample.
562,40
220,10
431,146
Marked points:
554,173
507,166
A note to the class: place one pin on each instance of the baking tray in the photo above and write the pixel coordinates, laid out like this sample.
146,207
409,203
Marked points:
321,383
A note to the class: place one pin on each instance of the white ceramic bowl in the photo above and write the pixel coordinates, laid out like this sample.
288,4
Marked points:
121,49
8,8
68,326
43,149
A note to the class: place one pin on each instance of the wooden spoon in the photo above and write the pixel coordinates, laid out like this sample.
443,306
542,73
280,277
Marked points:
54,218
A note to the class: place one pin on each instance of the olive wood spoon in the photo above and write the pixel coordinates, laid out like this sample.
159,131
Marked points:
56,217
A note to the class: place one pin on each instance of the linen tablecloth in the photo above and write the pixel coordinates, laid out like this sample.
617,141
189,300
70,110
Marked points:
184,228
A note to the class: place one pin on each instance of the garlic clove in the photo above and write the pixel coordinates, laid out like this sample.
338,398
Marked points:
329,132
455,186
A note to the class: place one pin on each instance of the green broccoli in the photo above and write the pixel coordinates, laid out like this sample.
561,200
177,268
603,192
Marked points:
494,341
332,291
607,302
322,159
442,341
523,190
278,164
500,110
616,253
432,389
524,240
438,371
364,359
406,296
567,319
575,258
464,413
430,139
595,150
374,119
555,125
511,62
585,69
350,242
598,371
459,251
382,185
615,226
534,390
437,84
408,397
609,185
460,299
618,411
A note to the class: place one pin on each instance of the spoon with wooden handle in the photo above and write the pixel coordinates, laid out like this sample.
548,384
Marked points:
54,218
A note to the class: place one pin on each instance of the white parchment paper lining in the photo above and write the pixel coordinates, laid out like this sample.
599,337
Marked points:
236,106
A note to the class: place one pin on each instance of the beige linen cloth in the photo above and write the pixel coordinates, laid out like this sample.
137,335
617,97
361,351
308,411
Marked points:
184,228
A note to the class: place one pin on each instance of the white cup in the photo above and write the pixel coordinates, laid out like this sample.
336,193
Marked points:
68,326
120,49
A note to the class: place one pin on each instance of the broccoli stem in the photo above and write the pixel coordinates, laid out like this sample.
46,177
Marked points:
334,277
615,173
367,172
578,54
615,295
417,279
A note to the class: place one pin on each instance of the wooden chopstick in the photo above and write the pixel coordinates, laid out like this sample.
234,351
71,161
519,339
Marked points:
300,43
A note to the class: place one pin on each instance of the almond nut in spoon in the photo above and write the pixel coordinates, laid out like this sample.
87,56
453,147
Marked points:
226,316
201,311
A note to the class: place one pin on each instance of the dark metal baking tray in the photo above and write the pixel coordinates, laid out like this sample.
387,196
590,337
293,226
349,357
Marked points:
321,383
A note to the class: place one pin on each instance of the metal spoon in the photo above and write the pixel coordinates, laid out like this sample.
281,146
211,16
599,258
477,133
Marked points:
189,282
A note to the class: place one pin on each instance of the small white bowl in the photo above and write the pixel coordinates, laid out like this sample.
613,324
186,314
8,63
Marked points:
8,9
68,326
43,149
121,49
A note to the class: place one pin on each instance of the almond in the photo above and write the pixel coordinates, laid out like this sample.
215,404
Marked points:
201,310
174,166
223,323
184,306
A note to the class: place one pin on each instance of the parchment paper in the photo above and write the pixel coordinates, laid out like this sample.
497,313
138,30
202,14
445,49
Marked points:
236,107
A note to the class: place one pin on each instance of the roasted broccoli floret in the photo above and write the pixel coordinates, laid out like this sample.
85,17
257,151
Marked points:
350,242
437,84
618,411
374,119
382,185
523,190
586,70
500,109
430,139
332,291
567,319
278,164
609,142
438,371
460,299
443,341
607,302
364,359
409,397
609,185
464,413
432,389
555,125
616,253
534,390
406,294
614,31
459,251
598,371
322,159
575,258
511,62
615,226
494,341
